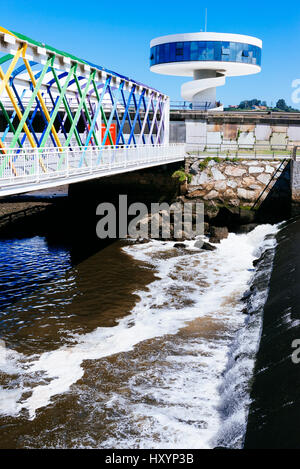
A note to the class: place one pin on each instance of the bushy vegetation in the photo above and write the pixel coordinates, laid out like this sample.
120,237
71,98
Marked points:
203,164
182,176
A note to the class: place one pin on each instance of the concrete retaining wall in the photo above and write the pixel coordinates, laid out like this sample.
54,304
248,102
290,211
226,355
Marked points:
295,182
204,132
236,183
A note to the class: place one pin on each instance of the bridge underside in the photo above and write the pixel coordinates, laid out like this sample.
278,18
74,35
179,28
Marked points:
63,119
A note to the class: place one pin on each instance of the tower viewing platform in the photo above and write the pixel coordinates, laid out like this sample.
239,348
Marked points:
207,57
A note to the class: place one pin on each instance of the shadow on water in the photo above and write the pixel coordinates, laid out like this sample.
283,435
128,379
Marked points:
58,278
62,225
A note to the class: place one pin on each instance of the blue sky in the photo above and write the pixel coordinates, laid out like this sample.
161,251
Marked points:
117,34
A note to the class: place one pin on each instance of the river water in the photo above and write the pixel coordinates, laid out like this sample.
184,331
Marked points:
137,346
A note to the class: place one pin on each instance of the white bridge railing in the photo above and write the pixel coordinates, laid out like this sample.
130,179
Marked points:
33,168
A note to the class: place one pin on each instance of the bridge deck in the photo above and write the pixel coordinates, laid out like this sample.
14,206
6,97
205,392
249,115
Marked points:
37,169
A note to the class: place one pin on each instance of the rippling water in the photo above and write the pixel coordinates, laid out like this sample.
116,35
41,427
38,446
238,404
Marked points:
130,348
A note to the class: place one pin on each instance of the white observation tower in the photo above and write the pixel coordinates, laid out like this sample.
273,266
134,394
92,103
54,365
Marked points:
208,58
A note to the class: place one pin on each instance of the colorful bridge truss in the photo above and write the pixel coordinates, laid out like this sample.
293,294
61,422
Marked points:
51,100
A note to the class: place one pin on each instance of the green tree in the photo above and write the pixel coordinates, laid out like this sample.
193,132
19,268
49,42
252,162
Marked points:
281,104
247,104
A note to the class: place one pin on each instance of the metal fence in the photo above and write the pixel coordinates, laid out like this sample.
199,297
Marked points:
197,106
34,168
255,151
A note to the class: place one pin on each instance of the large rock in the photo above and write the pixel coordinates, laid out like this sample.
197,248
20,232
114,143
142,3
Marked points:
264,178
202,178
142,240
256,169
249,180
269,169
211,195
184,236
220,186
218,233
230,193
246,216
232,184
234,171
196,194
225,217
206,246
247,195
217,175
247,228
211,209
206,228
179,245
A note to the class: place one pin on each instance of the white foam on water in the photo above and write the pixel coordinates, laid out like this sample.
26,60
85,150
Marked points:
191,393
9,395
235,387
203,402
173,404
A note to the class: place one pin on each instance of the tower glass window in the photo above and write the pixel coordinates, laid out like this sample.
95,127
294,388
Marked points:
220,51
179,49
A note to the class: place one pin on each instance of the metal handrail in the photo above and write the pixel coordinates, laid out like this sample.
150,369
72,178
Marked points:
197,106
231,150
268,185
32,168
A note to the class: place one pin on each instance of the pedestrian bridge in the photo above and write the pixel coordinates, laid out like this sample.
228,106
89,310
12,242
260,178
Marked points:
64,119
33,170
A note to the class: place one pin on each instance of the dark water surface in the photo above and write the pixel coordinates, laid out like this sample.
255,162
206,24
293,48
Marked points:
274,419
44,298
134,346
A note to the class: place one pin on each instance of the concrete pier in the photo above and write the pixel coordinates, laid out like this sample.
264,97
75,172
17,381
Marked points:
295,179
295,182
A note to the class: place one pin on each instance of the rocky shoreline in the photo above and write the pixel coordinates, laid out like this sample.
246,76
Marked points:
16,212
219,221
